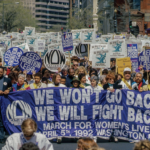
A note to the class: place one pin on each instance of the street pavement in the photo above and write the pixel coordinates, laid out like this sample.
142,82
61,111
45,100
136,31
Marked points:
71,145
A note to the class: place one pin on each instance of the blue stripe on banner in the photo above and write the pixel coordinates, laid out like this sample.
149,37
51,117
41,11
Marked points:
67,112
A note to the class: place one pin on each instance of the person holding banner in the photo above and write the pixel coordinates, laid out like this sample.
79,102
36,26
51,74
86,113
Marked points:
56,81
37,84
139,85
20,85
111,85
82,78
127,82
28,134
94,84
76,83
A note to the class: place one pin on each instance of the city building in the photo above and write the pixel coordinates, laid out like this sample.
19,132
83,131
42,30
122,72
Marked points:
49,13
106,16
30,4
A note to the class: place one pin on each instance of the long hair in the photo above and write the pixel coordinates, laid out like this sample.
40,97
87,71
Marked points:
54,77
81,68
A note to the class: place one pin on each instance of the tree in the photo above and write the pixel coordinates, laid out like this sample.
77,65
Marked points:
16,16
81,18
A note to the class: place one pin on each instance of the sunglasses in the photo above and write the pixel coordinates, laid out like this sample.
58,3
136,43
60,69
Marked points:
75,65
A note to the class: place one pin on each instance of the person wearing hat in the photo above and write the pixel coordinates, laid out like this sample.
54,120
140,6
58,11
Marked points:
75,83
127,82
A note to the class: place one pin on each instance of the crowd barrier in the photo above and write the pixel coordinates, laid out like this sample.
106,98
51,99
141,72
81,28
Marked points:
67,112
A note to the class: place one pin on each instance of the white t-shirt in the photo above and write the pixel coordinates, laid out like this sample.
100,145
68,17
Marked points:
16,140
53,85
124,85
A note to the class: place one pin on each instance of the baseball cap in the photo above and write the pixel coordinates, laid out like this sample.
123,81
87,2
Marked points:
127,69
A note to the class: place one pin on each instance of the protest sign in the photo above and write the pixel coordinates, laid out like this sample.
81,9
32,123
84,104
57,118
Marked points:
30,62
29,31
133,54
122,63
96,47
145,43
31,40
117,48
105,38
54,59
68,112
101,59
21,36
67,42
88,36
118,37
76,34
24,47
40,45
144,59
81,50
17,42
12,56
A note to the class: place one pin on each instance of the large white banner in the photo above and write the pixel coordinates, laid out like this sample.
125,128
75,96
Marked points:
117,48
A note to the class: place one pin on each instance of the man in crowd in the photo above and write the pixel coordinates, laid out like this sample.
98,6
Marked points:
127,81
139,85
70,77
5,83
37,84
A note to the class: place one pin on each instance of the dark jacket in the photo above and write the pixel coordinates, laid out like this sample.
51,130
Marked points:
136,87
68,81
115,86
6,84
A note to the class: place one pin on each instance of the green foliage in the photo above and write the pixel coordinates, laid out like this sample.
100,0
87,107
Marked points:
15,15
81,18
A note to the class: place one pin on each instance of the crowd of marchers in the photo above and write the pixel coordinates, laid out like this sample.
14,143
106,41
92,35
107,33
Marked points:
79,74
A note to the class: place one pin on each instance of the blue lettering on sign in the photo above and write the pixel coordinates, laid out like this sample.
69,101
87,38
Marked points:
144,59
71,112
30,62
12,56
67,42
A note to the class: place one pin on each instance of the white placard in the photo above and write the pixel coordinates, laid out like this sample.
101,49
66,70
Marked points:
96,47
100,59
117,48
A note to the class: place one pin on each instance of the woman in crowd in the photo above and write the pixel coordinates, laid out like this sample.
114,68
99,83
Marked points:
111,85
56,81
102,80
82,78
20,85
85,144
82,70
28,134
94,84
75,83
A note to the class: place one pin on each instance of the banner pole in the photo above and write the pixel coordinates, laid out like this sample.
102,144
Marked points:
88,51
69,59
